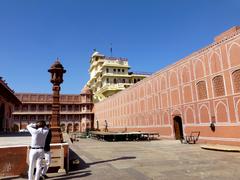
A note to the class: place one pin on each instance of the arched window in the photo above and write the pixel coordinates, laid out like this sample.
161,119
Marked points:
115,81
107,70
202,90
236,81
218,86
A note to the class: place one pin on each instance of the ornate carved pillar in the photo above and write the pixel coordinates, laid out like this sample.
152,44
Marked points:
56,71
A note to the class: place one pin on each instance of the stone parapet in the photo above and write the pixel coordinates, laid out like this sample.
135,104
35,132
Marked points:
14,159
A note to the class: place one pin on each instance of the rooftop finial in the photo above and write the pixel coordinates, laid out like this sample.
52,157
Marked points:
111,48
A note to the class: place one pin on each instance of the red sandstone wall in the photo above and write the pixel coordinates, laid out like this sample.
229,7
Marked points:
201,88
13,160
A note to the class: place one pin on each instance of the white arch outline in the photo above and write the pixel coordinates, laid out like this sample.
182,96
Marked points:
188,72
170,76
163,78
178,93
185,114
202,80
163,118
196,60
236,112
200,108
183,87
224,84
228,52
219,59
226,109
231,75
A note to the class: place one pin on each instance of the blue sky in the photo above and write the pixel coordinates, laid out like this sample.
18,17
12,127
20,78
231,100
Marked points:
150,33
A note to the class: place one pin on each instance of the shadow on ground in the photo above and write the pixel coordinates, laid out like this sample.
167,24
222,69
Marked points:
77,166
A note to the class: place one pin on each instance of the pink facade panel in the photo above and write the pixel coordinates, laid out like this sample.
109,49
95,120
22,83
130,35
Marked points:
199,90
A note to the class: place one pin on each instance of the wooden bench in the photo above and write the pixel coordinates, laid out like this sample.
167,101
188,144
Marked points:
192,138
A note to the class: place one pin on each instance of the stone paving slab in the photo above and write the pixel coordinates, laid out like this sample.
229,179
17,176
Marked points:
164,159
148,160
218,147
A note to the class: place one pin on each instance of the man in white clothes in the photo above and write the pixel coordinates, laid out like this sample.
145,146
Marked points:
39,133
47,153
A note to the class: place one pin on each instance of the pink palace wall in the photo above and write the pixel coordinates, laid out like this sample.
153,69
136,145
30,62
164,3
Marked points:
201,89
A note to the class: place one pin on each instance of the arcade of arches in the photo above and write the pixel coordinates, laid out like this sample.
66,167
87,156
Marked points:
76,111
7,102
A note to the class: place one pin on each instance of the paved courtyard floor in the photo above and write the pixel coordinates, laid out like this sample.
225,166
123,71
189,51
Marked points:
145,160
162,159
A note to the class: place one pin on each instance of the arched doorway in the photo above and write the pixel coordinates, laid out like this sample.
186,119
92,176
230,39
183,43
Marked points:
15,128
76,127
69,128
63,127
178,129
2,112
83,127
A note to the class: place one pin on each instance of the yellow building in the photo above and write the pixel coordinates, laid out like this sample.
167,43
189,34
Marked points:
109,75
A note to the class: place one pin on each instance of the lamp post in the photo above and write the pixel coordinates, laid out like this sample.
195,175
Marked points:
56,71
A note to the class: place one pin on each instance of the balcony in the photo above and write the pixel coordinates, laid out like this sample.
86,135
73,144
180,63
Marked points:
113,87
116,63
116,75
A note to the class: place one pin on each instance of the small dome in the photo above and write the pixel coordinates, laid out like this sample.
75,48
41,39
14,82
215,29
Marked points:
86,90
57,64
97,54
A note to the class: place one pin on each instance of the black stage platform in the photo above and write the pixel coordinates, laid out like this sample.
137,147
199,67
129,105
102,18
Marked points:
124,136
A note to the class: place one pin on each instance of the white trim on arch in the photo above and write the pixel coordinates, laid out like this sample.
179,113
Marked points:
206,84
170,94
231,77
185,114
187,85
169,78
167,94
228,49
162,120
224,84
219,58
236,112
185,66
196,60
227,110
163,78
209,114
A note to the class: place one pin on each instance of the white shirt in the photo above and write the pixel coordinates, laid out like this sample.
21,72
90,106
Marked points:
38,135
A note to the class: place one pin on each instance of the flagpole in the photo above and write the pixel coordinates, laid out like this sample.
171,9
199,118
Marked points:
111,49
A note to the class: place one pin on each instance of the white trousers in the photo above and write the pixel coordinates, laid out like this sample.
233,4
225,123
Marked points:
47,157
35,160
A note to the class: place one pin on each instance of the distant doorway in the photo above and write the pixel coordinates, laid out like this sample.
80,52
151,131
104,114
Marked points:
63,128
15,128
178,129
69,128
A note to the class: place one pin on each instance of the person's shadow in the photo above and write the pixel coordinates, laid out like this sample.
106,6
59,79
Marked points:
77,166
77,163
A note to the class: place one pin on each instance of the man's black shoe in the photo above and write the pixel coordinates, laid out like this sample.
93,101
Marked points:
41,178
45,176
